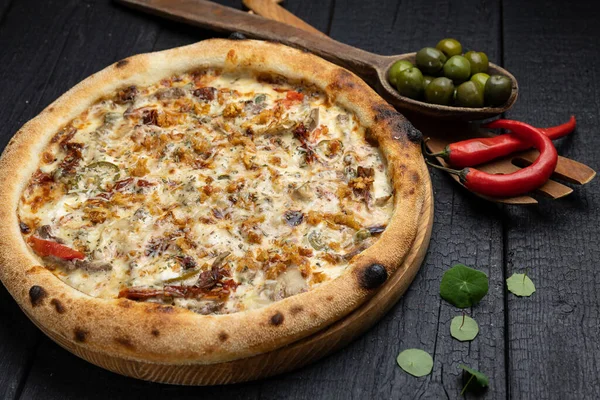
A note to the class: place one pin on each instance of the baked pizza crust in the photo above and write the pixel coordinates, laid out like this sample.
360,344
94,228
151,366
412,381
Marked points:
162,334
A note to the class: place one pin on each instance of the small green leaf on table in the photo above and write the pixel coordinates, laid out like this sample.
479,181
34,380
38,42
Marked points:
520,285
464,328
463,286
475,379
416,362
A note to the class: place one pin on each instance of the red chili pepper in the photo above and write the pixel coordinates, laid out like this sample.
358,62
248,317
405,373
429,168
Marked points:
519,182
293,95
45,248
468,153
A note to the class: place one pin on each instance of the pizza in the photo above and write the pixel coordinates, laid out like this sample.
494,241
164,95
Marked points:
207,203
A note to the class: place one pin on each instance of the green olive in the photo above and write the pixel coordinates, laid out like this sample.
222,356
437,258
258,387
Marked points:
395,69
430,60
316,240
410,83
439,91
362,234
102,174
111,117
457,68
480,78
450,47
478,60
469,94
427,80
497,90
260,98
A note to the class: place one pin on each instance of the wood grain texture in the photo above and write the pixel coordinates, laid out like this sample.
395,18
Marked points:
23,88
466,229
270,9
554,336
420,122
371,316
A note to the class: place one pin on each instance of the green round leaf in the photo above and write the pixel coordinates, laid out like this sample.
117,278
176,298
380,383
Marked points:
415,361
475,379
463,286
464,328
520,285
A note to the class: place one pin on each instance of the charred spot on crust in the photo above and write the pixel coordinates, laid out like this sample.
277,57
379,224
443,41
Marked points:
372,276
237,36
414,177
296,309
223,336
413,134
155,332
385,113
400,125
277,319
57,306
80,335
125,342
122,63
50,109
329,298
37,295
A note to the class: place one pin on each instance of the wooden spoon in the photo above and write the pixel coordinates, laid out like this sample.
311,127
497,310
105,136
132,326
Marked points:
372,68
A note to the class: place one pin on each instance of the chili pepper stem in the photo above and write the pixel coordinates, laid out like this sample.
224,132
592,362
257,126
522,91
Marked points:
444,153
460,173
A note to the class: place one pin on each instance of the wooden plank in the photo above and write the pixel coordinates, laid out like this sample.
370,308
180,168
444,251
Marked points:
18,341
58,374
47,48
463,232
55,373
24,55
4,9
367,368
554,336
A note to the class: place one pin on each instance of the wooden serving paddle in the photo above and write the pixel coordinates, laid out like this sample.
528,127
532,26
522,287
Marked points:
372,68
442,134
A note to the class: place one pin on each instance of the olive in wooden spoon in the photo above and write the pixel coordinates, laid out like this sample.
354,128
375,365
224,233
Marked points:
372,68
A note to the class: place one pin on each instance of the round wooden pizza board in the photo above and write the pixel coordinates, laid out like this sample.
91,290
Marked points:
287,358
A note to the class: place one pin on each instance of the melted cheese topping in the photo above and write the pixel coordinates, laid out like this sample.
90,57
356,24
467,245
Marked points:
218,192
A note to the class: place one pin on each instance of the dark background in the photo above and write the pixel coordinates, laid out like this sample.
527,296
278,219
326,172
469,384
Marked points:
543,347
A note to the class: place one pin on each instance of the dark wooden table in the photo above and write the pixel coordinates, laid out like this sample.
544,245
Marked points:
543,347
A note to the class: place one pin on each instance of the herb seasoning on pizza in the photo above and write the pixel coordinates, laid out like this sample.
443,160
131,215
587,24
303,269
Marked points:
215,191
207,204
